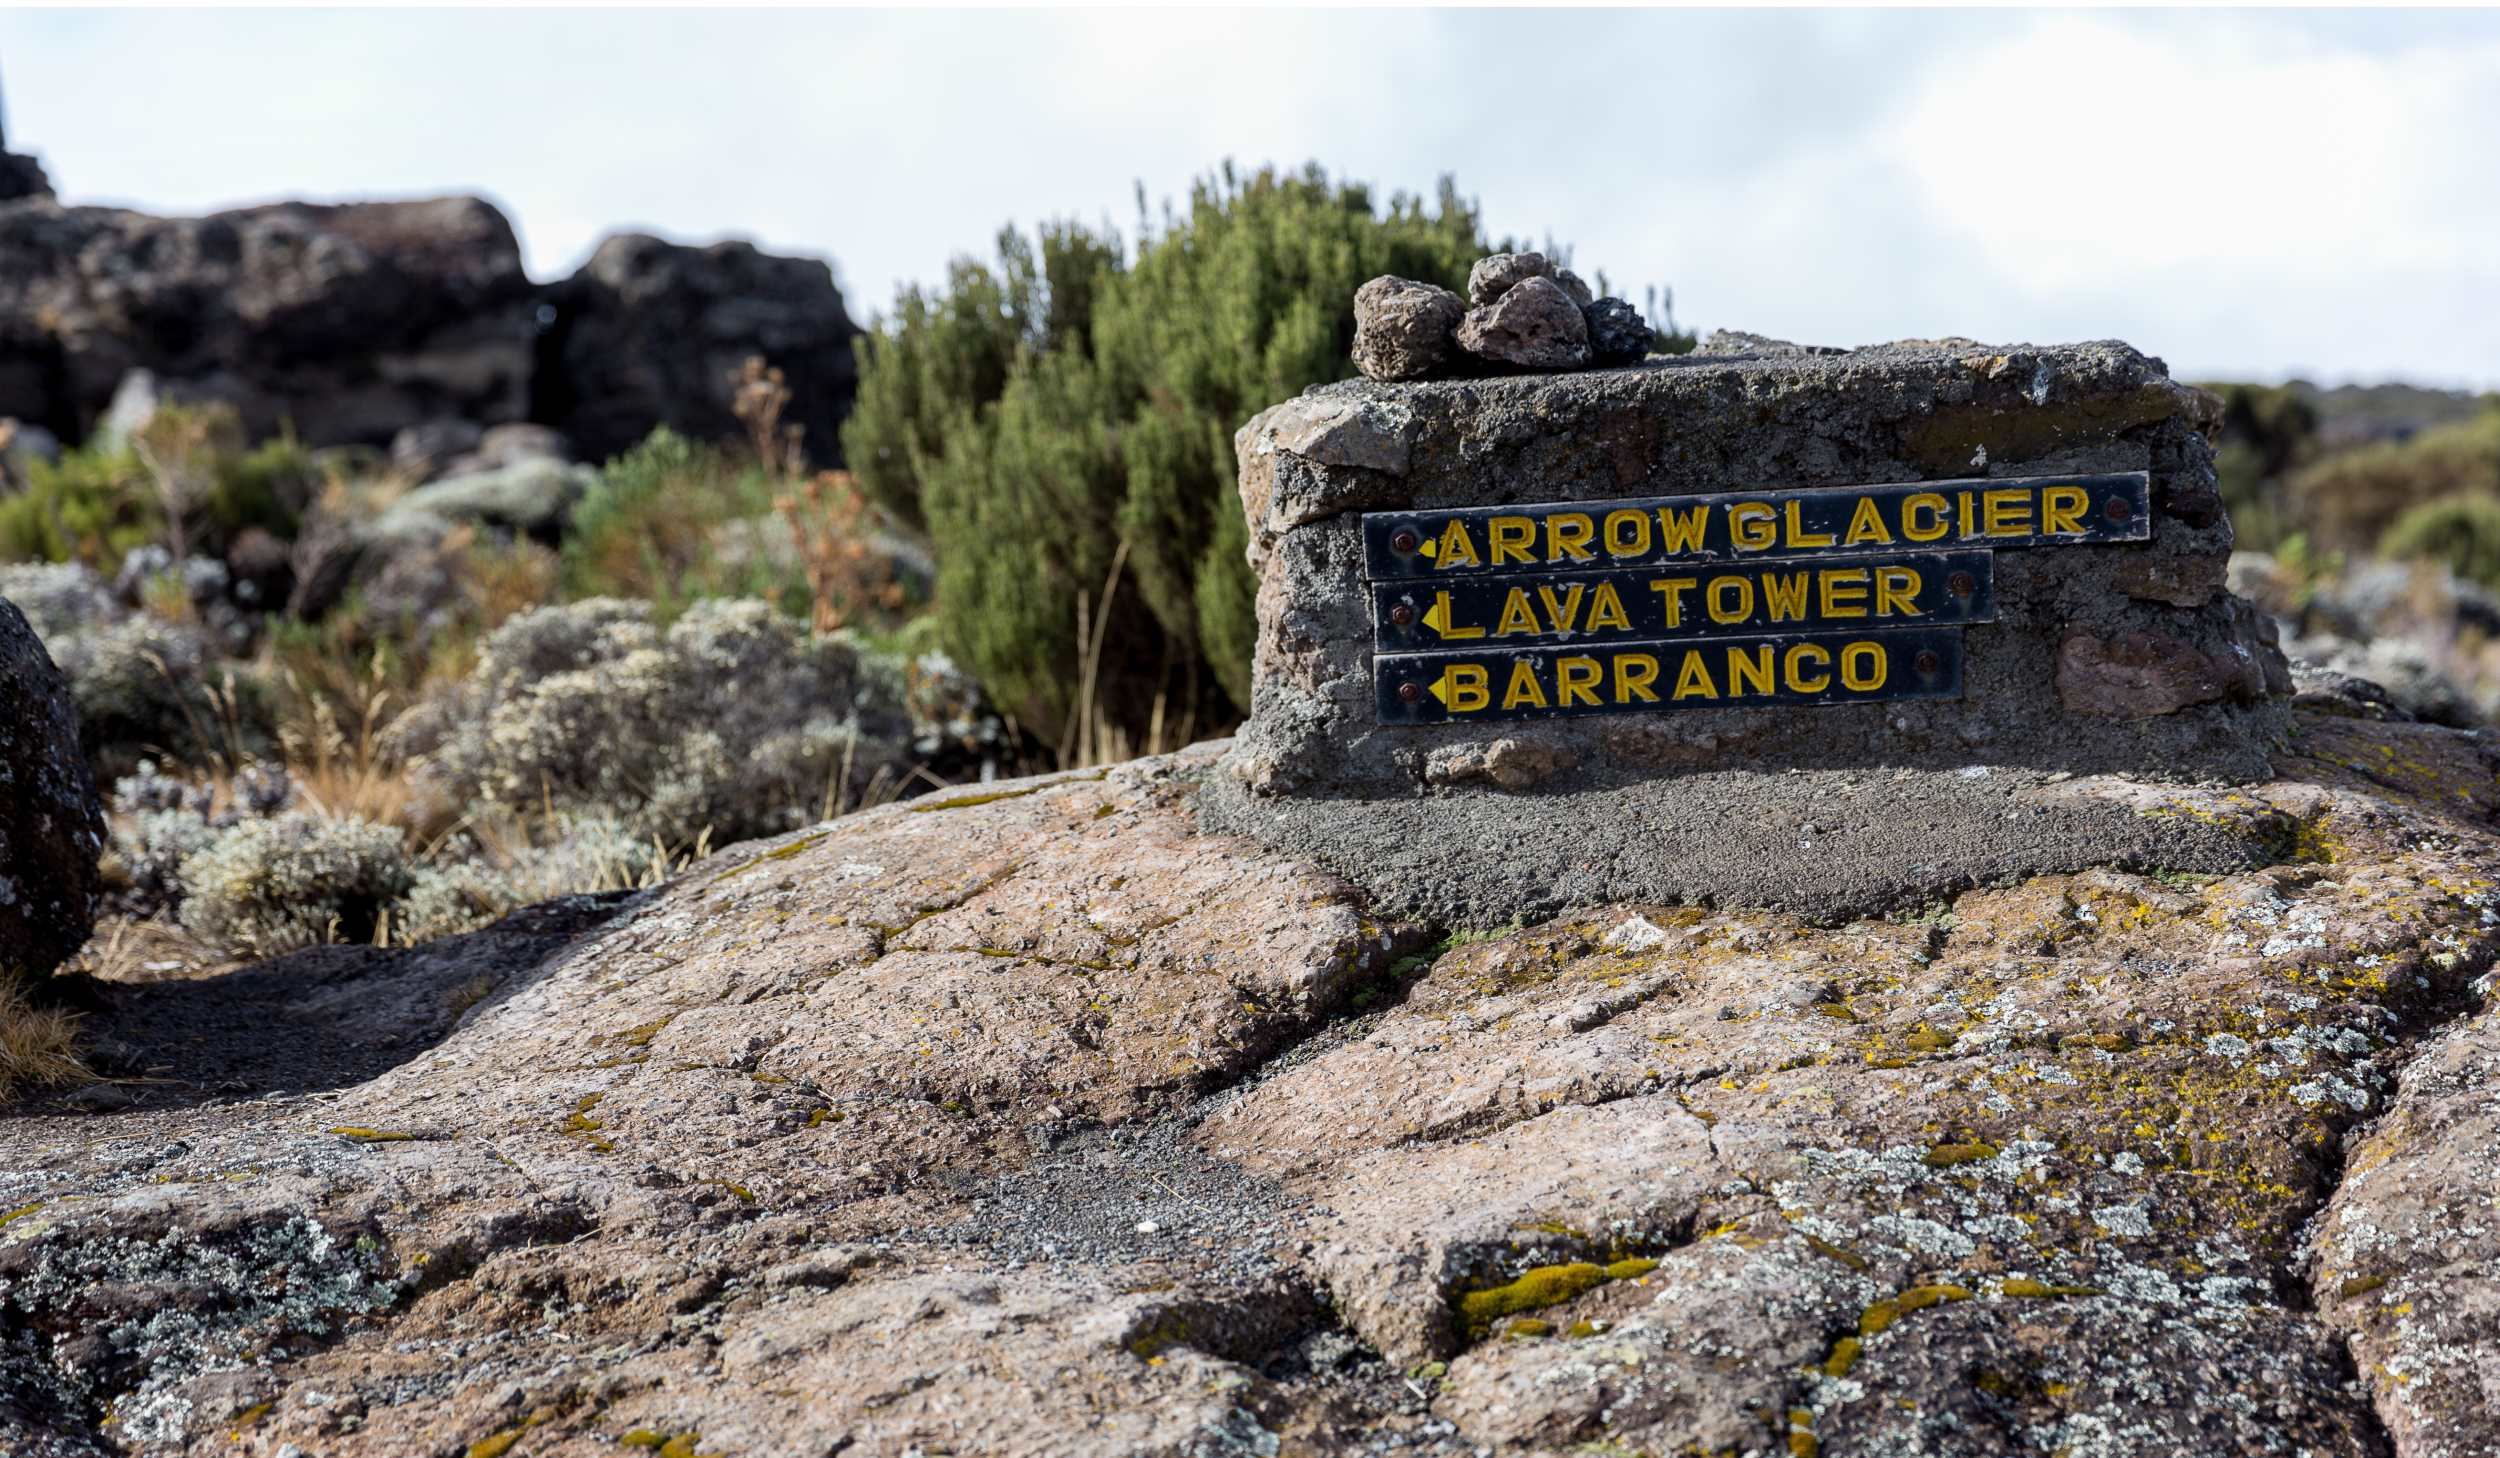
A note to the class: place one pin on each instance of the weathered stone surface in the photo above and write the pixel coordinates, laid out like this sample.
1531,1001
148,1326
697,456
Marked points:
533,497
1404,330
1576,286
2135,675
1496,274
1618,335
1533,325
348,322
1035,1121
1655,805
653,333
51,827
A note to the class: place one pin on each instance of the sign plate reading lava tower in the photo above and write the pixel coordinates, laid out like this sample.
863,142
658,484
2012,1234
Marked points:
1820,595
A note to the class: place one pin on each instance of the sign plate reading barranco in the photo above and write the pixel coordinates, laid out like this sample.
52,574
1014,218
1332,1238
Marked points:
1812,596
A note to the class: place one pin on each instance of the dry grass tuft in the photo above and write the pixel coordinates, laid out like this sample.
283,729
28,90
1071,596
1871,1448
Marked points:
36,1047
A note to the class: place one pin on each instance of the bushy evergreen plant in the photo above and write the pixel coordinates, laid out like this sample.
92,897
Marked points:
1066,409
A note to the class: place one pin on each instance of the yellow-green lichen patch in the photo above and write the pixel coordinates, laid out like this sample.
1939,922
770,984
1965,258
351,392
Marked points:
371,1136
1879,1317
1480,1310
251,1415
9,1217
667,1445
579,1125
495,1445
777,853
1945,1156
1529,1327
992,797
1844,1355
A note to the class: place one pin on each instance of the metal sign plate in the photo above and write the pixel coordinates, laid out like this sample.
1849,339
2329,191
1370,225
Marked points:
2012,511
1905,589
1718,673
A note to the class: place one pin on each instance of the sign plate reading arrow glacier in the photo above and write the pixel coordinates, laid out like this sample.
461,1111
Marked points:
1819,595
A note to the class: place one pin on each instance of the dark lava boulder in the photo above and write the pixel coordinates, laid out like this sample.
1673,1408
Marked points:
347,321
651,333
51,828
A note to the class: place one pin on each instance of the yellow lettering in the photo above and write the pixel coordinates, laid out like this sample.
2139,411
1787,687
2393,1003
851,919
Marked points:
1606,610
1576,680
1567,534
1934,506
1673,590
1752,526
1748,669
1798,536
1844,593
1693,680
1441,619
1862,667
1516,618
1523,687
1627,534
1564,613
1896,592
1468,686
1730,599
2061,510
1800,655
1970,519
1457,548
1635,677
2006,511
1682,533
1785,597
1866,524
1513,538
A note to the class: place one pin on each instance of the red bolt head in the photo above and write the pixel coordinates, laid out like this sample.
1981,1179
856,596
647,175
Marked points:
1963,584
1410,693
1405,541
1927,661
2117,509
1402,614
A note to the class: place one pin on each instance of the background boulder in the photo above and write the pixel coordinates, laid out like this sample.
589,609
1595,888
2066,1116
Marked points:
51,828
346,321
651,333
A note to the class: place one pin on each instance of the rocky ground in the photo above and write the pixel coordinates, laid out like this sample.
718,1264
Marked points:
1031,1120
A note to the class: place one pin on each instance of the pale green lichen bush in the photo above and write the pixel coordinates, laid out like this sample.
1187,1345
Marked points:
733,720
144,686
294,880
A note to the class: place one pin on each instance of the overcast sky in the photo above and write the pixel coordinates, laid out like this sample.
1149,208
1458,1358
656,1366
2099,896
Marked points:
2249,194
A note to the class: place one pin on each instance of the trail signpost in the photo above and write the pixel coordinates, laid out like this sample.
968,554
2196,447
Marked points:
1784,597
1793,626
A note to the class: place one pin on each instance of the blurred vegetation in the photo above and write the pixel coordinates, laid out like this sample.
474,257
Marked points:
2352,498
186,480
2461,533
1061,421
674,520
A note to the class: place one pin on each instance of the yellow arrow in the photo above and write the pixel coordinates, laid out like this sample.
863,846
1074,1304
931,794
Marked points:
1437,616
1441,688
1431,547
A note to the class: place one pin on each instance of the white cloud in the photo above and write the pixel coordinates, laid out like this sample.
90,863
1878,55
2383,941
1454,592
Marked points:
2243,193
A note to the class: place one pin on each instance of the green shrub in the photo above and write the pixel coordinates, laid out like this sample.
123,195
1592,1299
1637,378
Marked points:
2461,531
97,503
1039,413
2351,499
674,520
90,506
2267,430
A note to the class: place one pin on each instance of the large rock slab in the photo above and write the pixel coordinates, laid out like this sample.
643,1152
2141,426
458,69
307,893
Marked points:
1034,1119
51,826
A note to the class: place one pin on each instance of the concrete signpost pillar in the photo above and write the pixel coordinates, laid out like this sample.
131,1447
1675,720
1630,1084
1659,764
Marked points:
1786,626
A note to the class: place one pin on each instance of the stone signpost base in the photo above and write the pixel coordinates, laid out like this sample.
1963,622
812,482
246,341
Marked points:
1533,641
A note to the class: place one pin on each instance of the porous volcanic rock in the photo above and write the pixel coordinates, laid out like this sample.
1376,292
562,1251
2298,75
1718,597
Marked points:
1534,325
1035,1120
347,322
1496,274
51,827
1618,335
652,333
1404,330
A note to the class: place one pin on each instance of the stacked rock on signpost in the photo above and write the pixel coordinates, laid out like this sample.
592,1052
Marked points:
1521,312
